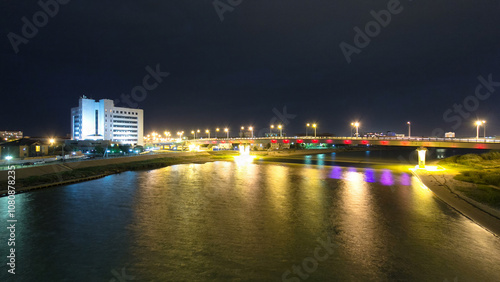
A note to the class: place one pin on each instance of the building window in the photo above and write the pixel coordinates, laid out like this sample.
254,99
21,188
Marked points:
37,148
96,122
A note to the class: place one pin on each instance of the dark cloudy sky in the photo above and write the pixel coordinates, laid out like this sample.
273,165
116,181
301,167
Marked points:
264,55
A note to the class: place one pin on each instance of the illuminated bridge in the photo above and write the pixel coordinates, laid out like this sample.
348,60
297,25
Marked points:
367,141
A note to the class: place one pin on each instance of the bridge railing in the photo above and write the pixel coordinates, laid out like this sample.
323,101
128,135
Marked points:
436,139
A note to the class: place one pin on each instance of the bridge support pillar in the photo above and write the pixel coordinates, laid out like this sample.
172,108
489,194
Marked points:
421,157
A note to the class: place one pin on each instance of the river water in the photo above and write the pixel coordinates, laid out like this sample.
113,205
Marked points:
239,221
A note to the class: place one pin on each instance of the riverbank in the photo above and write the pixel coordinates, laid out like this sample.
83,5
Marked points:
39,177
451,191
34,178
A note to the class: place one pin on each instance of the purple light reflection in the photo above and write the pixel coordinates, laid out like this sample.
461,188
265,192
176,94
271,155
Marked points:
405,179
369,175
336,173
386,178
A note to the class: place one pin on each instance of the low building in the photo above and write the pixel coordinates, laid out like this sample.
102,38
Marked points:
24,148
449,135
10,135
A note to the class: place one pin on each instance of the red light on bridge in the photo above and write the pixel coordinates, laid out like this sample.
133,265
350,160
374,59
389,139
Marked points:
347,142
364,142
274,141
405,143
384,142
214,142
329,141
300,141
315,140
480,146
223,141
286,141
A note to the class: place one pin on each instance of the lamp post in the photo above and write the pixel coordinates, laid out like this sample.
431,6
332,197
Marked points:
314,126
280,127
356,124
208,132
242,133
51,141
251,130
271,130
478,123
307,125
216,131
409,129
194,133
227,132
484,127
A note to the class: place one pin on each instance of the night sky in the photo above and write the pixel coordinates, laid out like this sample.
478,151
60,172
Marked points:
263,55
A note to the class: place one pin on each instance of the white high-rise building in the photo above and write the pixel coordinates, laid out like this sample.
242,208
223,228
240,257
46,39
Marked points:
93,120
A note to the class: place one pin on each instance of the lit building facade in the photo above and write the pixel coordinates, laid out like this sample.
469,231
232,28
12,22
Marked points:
101,120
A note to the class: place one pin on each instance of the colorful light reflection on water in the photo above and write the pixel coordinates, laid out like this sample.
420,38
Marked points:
385,177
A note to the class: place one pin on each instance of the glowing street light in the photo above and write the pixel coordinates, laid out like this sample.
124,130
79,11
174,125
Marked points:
314,126
216,131
356,124
271,130
478,123
208,132
307,125
280,127
227,132
194,133
251,130
409,129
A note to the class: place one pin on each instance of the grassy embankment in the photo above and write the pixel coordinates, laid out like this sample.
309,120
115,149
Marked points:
482,170
86,172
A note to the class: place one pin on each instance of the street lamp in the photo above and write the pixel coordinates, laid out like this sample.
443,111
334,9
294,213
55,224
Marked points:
409,129
280,127
356,124
216,131
208,132
307,125
314,126
478,123
251,130
194,133
227,132
271,130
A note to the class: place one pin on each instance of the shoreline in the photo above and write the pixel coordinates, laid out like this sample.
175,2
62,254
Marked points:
64,172
443,187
